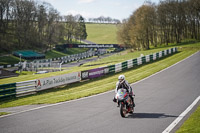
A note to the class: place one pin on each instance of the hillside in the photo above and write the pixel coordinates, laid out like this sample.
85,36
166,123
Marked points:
102,33
97,33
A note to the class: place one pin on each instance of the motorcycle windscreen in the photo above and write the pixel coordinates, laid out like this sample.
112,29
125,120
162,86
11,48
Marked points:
121,93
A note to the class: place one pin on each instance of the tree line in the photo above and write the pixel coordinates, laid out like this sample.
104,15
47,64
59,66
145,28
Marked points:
103,19
168,22
28,24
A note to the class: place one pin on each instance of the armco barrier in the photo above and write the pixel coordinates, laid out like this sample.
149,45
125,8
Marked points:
118,67
111,68
147,58
151,57
25,88
140,60
134,61
143,60
157,56
32,86
130,63
7,90
124,65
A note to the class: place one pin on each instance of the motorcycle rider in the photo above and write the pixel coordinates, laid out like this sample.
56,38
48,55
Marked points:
122,83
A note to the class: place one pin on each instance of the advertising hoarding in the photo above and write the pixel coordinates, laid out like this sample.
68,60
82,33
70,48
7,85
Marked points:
49,82
94,73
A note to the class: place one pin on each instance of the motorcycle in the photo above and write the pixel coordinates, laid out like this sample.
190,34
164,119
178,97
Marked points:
125,102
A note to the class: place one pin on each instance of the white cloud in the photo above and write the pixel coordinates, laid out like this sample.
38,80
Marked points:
85,1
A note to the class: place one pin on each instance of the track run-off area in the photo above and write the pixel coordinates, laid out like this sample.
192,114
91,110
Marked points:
160,99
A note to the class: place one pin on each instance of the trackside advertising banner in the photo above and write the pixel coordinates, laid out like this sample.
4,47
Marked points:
94,73
88,46
54,81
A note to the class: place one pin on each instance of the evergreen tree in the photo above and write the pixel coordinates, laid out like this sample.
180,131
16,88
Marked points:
82,28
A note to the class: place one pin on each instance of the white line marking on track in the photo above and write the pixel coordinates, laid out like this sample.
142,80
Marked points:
181,116
94,95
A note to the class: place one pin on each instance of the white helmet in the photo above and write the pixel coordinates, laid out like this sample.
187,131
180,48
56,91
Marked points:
121,78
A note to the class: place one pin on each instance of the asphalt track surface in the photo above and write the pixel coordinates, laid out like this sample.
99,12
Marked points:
160,99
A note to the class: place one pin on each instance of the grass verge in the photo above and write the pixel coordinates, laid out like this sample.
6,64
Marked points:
192,124
4,113
99,85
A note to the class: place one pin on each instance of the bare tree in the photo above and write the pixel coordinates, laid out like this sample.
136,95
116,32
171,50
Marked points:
143,28
53,17
70,27
4,23
168,22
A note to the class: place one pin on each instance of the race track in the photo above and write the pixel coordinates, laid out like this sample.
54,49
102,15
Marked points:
160,99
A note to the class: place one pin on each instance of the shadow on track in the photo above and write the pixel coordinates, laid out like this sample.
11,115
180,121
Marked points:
150,115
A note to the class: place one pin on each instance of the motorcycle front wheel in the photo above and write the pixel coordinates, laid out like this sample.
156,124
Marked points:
123,110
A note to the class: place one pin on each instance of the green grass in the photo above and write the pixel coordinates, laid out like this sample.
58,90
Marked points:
5,60
54,54
26,72
76,50
191,125
102,33
95,86
4,113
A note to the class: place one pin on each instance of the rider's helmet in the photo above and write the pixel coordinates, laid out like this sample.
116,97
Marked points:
121,78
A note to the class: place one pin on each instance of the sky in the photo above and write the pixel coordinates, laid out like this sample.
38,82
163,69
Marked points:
116,9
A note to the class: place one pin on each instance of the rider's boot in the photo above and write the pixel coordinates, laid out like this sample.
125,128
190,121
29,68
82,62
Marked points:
114,100
133,103
117,104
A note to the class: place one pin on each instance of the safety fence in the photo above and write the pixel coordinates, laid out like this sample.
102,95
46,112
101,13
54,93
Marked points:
98,72
48,62
7,90
33,86
26,87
